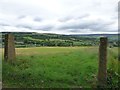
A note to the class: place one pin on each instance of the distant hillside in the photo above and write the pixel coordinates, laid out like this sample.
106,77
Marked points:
28,39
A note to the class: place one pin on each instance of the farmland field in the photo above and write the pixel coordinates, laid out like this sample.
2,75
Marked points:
45,67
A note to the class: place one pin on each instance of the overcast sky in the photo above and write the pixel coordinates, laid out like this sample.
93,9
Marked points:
59,16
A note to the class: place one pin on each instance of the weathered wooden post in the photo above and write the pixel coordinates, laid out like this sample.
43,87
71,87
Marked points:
9,48
102,70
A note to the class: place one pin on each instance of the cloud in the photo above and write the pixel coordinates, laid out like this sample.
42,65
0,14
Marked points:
3,24
59,16
35,27
96,25
24,26
37,19
45,28
68,18
21,17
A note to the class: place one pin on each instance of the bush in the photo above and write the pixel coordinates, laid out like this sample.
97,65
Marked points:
113,78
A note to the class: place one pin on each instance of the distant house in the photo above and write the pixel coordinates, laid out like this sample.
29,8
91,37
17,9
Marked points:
19,43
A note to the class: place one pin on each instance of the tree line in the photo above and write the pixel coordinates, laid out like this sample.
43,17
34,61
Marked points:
37,39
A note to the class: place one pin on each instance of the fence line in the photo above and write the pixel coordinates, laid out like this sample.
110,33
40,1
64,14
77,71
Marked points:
9,55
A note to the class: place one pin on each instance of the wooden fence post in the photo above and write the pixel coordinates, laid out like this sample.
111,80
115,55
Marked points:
102,69
9,48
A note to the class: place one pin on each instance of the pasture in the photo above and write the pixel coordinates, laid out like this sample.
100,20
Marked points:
56,67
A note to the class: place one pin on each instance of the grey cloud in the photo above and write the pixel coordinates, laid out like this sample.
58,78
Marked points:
83,16
2,24
65,19
68,18
21,17
91,25
76,30
37,19
24,26
31,27
45,28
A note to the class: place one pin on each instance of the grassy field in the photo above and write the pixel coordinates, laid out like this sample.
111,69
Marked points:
45,67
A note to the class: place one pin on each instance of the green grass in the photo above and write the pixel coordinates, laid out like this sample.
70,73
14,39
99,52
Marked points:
55,67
